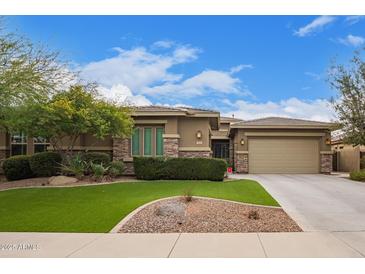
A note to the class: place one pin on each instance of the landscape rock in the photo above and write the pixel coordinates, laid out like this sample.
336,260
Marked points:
61,180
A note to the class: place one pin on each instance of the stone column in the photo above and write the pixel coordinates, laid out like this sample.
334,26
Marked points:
195,154
170,146
241,161
3,154
326,163
122,152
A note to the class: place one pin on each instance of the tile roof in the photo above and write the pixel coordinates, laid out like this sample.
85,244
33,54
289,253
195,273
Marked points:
230,119
280,121
169,109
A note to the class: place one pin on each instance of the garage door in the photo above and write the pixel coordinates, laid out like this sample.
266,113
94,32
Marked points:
283,155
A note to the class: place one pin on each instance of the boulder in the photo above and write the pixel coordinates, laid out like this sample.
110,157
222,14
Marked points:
170,208
61,180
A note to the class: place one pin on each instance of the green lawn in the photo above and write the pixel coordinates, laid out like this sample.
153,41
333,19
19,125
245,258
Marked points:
99,208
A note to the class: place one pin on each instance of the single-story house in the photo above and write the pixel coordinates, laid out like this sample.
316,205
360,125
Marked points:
267,145
346,157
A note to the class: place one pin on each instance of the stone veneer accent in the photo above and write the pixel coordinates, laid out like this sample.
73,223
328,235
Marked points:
195,154
2,158
121,147
121,152
241,162
326,163
171,147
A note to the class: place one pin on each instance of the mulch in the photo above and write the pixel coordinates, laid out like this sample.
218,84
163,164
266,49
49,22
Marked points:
43,181
208,215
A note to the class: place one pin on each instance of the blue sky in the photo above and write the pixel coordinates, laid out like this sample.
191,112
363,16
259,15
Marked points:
250,66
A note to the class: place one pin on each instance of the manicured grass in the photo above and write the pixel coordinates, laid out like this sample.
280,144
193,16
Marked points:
99,208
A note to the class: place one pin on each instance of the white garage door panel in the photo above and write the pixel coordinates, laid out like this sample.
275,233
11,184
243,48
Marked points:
278,155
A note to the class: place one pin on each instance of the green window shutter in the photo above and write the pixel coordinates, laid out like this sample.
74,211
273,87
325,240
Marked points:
135,142
147,151
159,142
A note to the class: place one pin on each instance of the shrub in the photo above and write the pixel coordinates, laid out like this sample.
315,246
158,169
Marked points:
147,168
96,158
116,168
45,164
179,168
358,175
195,169
17,167
98,171
74,165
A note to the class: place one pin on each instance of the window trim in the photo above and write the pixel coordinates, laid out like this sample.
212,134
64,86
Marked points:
163,130
24,142
142,139
139,142
143,148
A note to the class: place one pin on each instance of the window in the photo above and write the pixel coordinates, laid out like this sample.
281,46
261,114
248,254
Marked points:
147,142
159,141
18,144
136,142
40,144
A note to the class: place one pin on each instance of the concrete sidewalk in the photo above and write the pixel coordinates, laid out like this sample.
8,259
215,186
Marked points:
194,245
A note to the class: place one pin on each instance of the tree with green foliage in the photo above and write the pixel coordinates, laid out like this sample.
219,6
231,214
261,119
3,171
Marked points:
28,73
68,114
349,81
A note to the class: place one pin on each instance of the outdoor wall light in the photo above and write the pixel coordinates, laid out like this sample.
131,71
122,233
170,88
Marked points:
199,134
242,142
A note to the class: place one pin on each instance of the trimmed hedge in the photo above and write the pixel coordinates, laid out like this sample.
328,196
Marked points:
96,158
17,167
179,168
44,164
149,168
358,175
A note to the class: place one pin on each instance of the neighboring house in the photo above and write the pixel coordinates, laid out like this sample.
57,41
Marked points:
346,156
268,145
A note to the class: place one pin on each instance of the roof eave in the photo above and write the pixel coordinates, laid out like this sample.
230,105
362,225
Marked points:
282,126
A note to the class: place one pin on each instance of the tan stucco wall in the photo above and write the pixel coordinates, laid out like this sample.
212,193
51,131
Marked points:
188,127
246,133
3,140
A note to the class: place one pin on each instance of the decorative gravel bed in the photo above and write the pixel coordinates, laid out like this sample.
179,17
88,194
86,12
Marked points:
207,215
43,181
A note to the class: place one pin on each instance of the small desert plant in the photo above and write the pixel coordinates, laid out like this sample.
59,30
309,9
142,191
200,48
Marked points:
253,215
74,165
98,171
188,195
358,175
116,169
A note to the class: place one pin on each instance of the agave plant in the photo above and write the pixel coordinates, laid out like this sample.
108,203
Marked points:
74,165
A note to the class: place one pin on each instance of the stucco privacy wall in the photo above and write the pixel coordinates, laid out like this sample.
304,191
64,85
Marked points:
189,145
241,152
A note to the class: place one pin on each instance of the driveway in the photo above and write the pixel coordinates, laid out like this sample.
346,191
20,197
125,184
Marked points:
317,202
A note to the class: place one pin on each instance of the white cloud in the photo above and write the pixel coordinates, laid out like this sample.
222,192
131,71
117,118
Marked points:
314,76
240,67
315,26
143,72
166,44
351,20
137,68
318,110
123,95
206,82
352,40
